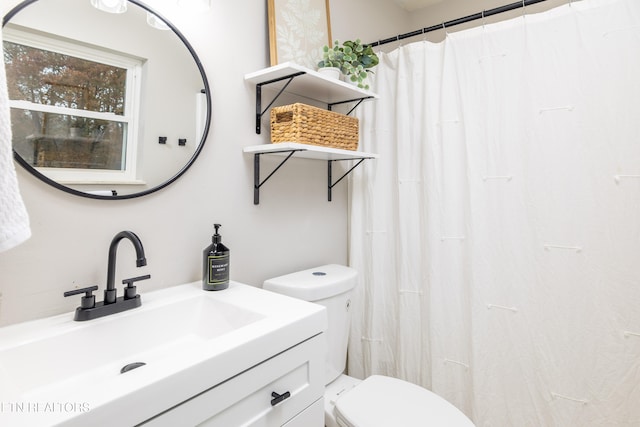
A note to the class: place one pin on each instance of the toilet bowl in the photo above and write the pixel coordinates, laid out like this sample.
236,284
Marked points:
376,401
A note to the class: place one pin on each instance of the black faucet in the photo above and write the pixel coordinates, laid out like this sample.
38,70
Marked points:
89,309
141,261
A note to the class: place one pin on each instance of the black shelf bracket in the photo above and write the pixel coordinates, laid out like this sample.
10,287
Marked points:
259,111
257,183
331,184
358,100
256,172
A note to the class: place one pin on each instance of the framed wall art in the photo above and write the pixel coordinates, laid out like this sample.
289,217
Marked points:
298,29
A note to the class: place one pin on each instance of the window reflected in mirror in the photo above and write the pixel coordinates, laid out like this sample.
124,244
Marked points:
72,108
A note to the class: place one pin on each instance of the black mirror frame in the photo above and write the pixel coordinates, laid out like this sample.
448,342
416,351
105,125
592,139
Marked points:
181,172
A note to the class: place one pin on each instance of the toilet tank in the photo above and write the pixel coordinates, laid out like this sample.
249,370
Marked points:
331,286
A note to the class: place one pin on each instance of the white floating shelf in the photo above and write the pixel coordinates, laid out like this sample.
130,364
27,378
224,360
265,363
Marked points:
308,151
311,84
291,149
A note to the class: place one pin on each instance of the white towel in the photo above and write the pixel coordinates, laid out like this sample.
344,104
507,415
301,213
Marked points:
14,220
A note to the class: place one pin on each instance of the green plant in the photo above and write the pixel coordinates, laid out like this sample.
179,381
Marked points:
365,58
353,58
335,56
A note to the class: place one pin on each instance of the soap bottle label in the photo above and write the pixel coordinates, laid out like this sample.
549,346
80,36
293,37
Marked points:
218,269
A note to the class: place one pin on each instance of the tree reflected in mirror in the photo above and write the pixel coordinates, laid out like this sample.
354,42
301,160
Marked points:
44,87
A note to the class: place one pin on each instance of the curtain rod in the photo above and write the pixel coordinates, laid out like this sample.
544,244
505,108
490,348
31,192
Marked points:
445,25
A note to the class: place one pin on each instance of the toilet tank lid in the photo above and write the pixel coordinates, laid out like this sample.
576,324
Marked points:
315,283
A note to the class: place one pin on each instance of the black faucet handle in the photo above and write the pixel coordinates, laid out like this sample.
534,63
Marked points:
88,300
131,281
130,290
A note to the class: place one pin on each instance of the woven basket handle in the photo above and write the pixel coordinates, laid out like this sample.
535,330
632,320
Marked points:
284,117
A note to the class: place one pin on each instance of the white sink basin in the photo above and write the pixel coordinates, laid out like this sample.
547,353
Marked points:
101,348
56,371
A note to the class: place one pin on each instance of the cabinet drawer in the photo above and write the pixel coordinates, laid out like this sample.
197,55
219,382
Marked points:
252,397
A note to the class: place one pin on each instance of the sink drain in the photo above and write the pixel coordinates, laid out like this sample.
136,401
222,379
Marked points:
131,366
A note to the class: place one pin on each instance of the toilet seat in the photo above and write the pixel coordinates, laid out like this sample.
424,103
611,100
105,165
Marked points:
384,401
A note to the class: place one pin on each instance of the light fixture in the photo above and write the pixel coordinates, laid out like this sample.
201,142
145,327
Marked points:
156,22
111,6
196,5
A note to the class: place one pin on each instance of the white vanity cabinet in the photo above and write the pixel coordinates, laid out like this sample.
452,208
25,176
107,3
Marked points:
247,399
207,358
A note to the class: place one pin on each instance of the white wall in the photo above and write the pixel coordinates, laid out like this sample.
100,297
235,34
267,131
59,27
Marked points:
368,20
294,226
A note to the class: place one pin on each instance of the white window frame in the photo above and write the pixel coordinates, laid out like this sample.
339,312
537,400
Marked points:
129,174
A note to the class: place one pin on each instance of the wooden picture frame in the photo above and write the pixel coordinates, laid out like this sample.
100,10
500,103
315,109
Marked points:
298,29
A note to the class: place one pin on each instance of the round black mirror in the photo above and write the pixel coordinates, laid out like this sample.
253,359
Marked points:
103,105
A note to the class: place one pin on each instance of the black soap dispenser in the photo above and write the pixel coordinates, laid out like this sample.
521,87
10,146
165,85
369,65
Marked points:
215,269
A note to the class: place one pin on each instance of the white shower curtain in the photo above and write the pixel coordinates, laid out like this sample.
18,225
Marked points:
498,235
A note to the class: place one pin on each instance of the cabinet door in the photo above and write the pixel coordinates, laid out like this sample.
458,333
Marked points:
313,416
250,399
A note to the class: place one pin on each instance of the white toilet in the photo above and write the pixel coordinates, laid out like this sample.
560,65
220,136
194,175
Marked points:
377,401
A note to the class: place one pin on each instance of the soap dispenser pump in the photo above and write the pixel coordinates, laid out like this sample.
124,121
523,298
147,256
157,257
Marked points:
215,270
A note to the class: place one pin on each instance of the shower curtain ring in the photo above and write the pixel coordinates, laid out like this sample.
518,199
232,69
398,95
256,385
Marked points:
483,21
524,8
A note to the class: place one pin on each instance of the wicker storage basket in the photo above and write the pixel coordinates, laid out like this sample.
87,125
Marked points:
310,125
